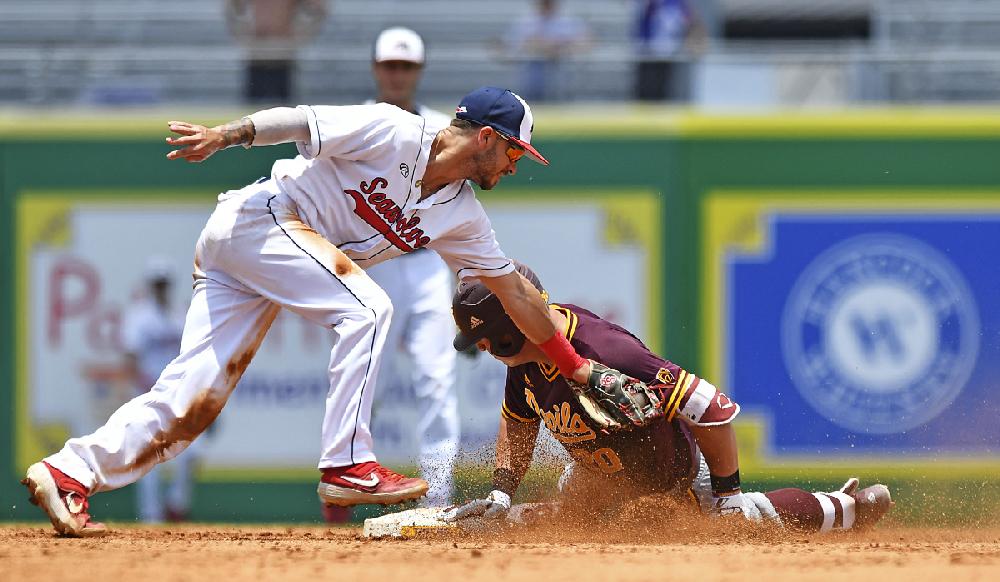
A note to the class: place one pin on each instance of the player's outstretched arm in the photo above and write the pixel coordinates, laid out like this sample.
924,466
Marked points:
197,143
268,127
515,447
525,306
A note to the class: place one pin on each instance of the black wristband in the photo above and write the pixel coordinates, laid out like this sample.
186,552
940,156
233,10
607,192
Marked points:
724,485
505,480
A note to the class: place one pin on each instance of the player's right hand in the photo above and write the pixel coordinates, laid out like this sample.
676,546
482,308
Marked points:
197,142
496,505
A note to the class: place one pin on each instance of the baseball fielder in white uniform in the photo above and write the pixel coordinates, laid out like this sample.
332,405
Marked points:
371,183
151,336
419,284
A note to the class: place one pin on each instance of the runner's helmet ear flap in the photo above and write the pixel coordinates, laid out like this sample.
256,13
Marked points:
506,343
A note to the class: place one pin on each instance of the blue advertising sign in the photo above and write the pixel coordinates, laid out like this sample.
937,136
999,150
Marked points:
869,333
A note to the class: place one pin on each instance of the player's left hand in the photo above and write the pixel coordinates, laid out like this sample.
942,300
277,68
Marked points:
615,401
496,505
197,142
581,375
736,504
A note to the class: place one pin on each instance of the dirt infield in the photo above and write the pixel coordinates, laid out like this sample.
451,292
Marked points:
203,552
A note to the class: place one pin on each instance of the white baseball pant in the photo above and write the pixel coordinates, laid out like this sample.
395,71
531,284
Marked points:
149,495
420,286
254,256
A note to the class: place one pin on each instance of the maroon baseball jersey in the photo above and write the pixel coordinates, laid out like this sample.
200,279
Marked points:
654,457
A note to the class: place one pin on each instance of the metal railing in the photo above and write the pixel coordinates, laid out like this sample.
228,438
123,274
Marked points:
111,51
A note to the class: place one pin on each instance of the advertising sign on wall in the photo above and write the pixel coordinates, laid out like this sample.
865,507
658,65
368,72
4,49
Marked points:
860,324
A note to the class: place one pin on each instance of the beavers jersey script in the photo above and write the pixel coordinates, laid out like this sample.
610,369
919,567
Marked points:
654,457
357,182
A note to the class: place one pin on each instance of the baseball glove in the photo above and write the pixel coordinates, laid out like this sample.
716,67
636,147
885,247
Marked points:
615,401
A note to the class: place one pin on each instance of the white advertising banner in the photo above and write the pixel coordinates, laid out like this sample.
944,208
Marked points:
81,263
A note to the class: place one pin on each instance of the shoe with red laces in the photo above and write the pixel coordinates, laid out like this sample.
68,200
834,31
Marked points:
369,482
870,504
64,499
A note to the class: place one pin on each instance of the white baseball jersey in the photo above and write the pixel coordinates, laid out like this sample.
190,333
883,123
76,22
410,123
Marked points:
357,182
436,121
153,334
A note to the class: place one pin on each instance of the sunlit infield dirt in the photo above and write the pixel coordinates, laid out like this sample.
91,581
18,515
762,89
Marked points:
215,552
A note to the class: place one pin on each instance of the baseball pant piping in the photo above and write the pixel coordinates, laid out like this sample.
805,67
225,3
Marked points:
364,384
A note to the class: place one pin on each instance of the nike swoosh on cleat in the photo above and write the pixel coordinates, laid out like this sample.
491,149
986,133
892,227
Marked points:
371,481
73,505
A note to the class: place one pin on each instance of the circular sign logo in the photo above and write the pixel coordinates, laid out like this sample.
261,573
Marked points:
880,333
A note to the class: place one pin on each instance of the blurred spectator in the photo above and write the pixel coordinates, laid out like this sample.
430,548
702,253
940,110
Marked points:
273,30
544,39
664,31
151,336
397,65
420,286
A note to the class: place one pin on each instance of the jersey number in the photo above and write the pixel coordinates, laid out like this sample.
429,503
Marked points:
604,460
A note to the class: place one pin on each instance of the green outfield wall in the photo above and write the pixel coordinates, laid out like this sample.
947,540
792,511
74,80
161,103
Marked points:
890,162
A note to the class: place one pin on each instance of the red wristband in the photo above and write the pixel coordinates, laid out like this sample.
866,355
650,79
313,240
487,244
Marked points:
562,354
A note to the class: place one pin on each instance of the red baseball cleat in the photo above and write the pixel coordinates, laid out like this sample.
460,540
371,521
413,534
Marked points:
368,483
870,504
64,499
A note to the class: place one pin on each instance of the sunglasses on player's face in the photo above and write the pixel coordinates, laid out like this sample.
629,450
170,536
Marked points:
514,152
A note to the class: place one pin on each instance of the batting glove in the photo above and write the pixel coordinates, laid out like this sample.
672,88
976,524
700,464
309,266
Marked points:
736,504
496,505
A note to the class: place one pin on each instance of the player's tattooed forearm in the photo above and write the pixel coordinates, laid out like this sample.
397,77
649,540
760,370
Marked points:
240,132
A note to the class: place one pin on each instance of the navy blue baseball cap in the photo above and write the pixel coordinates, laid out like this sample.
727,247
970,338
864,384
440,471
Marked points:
505,112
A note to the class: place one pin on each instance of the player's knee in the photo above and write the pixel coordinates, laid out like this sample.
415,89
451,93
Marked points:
702,404
376,313
381,307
